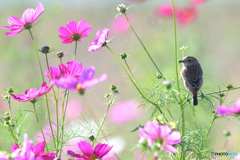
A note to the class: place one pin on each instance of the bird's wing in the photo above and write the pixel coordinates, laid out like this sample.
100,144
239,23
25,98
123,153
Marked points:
196,83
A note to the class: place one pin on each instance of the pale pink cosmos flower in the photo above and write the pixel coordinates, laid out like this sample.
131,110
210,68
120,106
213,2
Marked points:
224,110
100,41
99,151
183,16
237,157
74,31
152,131
165,10
120,24
32,93
187,15
124,111
28,18
72,68
82,83
47,133
30,152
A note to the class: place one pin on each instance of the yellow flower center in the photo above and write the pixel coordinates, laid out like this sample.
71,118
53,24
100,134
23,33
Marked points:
93,157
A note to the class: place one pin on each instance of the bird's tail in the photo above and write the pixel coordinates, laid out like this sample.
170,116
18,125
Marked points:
195,100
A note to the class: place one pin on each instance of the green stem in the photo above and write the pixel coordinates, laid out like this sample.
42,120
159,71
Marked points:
178,84
133,76
225,90
40,126
48,110
64,109
209,129
56,100
143,46
90,110
75,52
145,97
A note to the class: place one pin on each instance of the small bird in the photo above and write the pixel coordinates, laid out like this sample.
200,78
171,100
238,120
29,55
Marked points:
192,76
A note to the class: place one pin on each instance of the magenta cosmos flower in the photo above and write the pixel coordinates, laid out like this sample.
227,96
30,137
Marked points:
74,31
83,82
99,151
72,68
32,93
154,132
224,110
28,18
30,152
100,41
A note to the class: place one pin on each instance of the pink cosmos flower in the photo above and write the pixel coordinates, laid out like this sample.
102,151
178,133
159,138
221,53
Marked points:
153,131
30,152
124,112
47,133
28,18
83,82
165,10
187,15
100,41
237,157
99,151
183,16
72,68
120,24
32,93
74,31
224,110
3,156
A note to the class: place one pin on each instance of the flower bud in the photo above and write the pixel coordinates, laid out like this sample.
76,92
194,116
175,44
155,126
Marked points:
113,87
7,113
183,48
121,8
229,86
7,118
221,94
45,49
6,97
60,54
172,125
10,90
107,95
159,76
167,84
123,55
227,134
91,138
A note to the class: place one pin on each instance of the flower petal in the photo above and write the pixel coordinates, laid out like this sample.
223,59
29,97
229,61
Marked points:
85,148
101,150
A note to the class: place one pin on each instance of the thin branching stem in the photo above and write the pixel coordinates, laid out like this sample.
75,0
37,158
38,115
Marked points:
143,95
40,126
48,110
177,77
143,46
75,52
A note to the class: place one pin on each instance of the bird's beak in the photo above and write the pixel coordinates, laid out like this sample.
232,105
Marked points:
180,61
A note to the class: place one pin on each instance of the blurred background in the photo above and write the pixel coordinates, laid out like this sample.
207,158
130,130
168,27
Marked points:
210,33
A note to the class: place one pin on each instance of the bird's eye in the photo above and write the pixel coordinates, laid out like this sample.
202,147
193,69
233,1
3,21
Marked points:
189,60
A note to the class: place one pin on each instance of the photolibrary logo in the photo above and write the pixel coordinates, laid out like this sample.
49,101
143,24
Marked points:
224,154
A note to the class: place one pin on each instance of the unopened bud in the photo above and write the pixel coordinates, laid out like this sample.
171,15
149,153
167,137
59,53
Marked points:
121,8
10,90
45,49
229,86
123,55
60,54
167,84
227,134
91,138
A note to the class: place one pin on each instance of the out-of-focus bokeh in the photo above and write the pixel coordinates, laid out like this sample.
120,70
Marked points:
213,37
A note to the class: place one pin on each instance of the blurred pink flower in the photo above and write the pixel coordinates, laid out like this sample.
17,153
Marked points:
74,31
28,18
47,133
72,68
165,10
109,156
3,156
99,151
85,81
224,110
237,157
74,110
187,15
153,131
30,152
100,41
197,2
32,93
120,24
183,16
124,112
